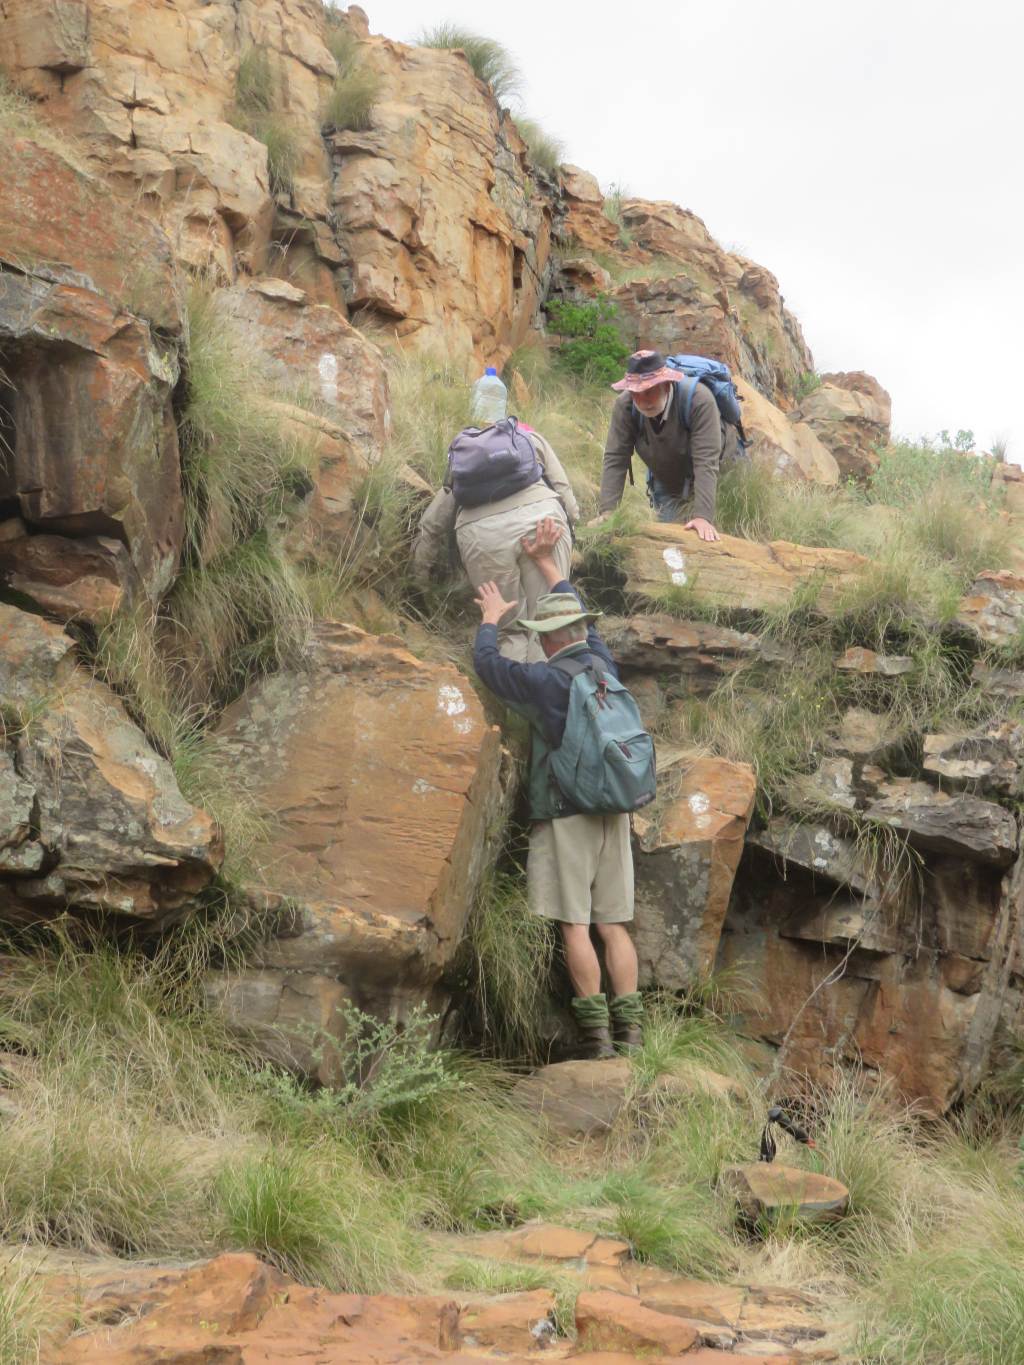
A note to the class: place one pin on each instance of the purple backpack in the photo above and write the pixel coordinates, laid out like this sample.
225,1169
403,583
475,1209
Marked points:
486,464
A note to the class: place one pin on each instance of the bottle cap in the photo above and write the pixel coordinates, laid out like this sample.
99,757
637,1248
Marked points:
490,370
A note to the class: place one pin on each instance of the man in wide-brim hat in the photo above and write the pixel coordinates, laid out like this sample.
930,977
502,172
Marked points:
682,458
580,866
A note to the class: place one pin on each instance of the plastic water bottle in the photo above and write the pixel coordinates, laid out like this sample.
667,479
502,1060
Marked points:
489,402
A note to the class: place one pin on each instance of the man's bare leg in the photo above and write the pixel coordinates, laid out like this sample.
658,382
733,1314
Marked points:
589,1006
626,1007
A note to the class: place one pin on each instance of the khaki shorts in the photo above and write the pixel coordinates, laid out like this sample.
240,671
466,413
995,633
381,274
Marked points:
580,869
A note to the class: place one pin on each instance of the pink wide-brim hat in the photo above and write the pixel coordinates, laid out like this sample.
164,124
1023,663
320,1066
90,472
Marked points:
644,369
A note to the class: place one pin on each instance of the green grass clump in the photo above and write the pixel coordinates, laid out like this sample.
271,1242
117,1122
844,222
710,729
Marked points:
546,152
491,62
613,208
20,1313
509,953
355,88
256,112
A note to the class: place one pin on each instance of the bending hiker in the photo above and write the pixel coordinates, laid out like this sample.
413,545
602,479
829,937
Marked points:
490,516
580,866
674,424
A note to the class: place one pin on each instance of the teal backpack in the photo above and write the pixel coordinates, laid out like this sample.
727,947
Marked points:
605,763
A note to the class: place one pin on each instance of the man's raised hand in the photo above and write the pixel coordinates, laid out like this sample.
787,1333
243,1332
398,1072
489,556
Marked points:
491,603
547,535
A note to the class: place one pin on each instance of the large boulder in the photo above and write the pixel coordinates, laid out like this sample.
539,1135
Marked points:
382,782
92,818
664,559
788,448
88,412
851,414
689,849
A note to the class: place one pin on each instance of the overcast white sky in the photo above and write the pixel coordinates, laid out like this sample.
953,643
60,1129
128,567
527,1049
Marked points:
868,154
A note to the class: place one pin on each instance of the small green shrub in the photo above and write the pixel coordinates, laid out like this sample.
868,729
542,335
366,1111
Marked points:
546,151
592,346
805,384
491,62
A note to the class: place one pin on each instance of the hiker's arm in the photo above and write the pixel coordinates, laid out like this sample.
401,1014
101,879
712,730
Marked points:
556,476
705,452
618,450
541,546
436,525
513,682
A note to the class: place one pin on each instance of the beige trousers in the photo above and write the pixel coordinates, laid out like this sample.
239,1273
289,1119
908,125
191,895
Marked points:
491,550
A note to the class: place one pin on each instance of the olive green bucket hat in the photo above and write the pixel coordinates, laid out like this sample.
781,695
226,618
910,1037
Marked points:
556,610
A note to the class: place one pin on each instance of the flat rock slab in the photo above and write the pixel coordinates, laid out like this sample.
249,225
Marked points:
734,573
616,1321
859,660
698,653
764,1188
963,825
550,1242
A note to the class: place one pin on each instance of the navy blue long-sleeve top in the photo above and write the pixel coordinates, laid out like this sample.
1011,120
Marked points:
540,686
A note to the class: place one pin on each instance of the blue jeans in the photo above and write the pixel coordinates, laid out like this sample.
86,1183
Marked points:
669,506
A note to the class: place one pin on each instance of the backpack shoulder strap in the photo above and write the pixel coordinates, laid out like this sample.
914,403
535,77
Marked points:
686,406
576,664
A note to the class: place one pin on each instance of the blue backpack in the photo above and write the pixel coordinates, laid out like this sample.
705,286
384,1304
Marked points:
605,763
486,464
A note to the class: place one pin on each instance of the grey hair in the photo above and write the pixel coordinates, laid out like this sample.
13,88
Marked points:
568,635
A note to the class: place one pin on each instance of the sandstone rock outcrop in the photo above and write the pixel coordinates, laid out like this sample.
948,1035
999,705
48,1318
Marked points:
87,305
93,820
719,303
442,235
906,986
850,413
382,782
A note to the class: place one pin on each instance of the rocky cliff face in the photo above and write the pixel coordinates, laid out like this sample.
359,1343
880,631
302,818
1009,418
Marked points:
385,791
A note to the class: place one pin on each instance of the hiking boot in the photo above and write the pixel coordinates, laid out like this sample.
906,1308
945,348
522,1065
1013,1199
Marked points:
627,1012
593,1025
628,1037
596,1043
